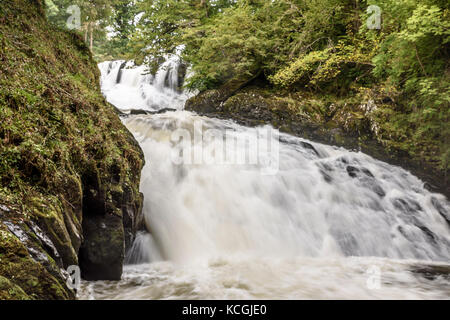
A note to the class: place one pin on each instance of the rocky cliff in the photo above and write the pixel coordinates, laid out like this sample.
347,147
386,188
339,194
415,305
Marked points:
69,169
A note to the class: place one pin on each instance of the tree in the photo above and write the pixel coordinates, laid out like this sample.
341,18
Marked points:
95,15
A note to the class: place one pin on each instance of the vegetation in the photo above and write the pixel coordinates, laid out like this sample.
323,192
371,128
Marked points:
59,142
324,47
105,25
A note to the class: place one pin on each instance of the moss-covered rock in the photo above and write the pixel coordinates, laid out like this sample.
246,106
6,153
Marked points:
69,169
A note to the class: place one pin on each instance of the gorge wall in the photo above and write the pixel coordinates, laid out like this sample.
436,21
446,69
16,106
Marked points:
69,169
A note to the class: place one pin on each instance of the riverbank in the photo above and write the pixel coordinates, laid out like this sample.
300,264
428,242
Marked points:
69,169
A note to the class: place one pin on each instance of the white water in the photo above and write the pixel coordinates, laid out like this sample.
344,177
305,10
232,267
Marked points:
129,87
329,224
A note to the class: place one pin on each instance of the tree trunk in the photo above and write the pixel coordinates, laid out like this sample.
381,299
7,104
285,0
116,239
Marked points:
204,4
91,45
86,27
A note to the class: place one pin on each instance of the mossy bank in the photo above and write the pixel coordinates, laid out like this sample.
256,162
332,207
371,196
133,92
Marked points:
69,169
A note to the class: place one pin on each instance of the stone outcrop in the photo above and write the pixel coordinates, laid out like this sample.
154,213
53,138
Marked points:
69,169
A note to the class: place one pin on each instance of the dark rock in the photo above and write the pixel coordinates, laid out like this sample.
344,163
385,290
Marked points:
378,190
367,179
429,234
352,171
406,206
182,69
431,272
119,74
309,146
440,208
325,170
103,250
430,187
367,172
326,176
138,112
144,112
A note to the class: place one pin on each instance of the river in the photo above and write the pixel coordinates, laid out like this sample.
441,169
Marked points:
251,213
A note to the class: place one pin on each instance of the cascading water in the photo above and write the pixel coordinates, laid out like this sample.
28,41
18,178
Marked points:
121,80
329,223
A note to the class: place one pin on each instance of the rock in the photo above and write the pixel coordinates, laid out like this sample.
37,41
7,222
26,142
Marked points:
352,171
440,208
103,250
119,74
75,198
138,112
309,146
431,272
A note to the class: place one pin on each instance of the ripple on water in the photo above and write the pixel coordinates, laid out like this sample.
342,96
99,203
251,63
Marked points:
311,278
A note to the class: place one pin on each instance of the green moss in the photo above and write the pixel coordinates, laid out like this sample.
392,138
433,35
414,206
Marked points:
10,291
56,130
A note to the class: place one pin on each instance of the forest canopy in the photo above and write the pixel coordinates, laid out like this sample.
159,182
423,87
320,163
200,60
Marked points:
323,46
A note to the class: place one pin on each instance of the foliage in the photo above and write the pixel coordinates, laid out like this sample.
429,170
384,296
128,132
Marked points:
106,25
324,46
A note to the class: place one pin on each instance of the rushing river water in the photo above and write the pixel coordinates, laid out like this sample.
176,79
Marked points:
327,223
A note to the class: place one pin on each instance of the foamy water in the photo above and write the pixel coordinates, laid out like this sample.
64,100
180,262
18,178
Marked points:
328,224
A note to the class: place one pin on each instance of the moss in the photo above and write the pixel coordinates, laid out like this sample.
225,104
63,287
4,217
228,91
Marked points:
24,273
57,132
10,291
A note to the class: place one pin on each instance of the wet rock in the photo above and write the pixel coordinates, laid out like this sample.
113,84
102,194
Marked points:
103,250
429,234
138,112
378,190
36,249
182,70
325,170
17,231
430,187
367,172
112,214
352,171
326,176
46,242
431,272
309,146
119,74
440,208
367,179
406,206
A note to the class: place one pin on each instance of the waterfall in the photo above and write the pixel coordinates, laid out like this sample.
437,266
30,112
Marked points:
322,201
131,87
312,228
